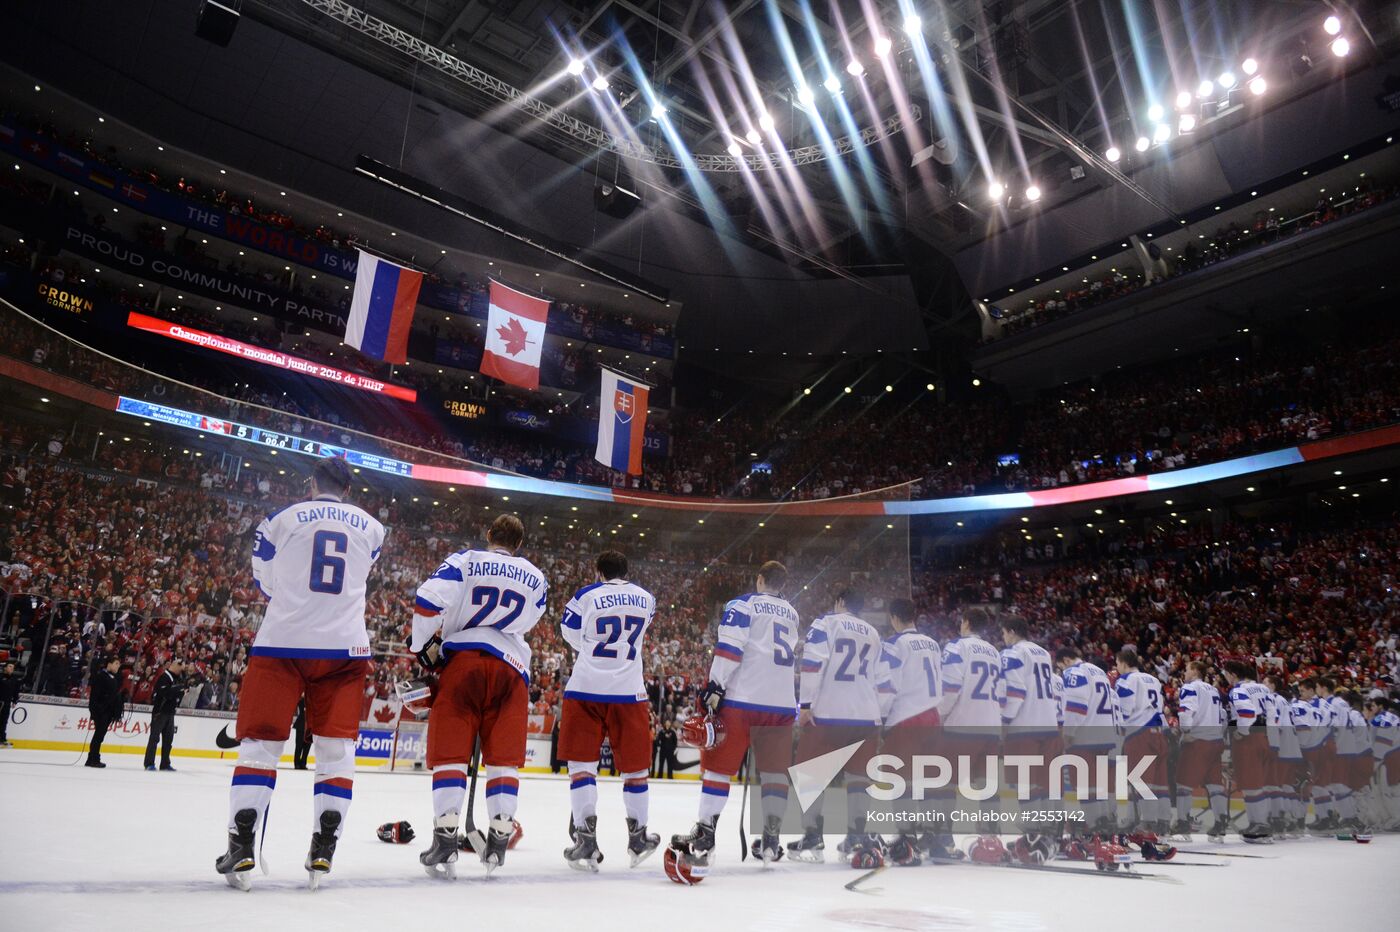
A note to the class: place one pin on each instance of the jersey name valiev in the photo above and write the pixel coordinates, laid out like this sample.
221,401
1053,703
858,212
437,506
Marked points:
841,660
1030,701
913,680
754,654
1089,708
606,623
312,560
1200,712
482,600
971,671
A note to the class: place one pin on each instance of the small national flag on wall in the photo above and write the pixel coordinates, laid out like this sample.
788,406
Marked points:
515,330
381,311
622,422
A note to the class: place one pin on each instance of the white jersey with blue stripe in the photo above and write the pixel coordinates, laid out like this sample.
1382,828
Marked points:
1355,738
1249,702
1139,701
312,561
1030,701
913,680
754,654
1089,709
1385,734
1308,724
1200,713
482,600
606,623
971,671
841,661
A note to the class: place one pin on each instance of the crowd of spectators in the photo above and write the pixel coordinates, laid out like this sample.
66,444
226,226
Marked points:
1265,227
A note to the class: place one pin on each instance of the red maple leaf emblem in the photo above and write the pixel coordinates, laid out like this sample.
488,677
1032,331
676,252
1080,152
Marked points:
384,714
513,336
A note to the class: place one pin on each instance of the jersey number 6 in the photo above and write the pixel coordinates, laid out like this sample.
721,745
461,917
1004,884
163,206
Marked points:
323,544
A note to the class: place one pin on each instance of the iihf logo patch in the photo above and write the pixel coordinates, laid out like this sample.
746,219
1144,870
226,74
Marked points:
622,404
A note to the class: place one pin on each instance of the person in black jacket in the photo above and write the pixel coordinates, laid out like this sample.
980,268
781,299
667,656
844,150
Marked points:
10,684
105,705
166,699
301,750
666,744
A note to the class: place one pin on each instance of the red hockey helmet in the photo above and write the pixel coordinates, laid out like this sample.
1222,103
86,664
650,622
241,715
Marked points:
681,869
702,732
416,696
987,849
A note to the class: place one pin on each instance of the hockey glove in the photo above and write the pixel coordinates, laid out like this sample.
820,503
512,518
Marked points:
712,696
395,833
431,655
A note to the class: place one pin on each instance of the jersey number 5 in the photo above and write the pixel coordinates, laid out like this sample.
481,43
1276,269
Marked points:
323,545
782,650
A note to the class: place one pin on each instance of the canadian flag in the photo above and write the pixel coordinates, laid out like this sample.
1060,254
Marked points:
514,336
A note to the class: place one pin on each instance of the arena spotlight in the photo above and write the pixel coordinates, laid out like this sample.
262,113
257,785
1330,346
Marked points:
1033,193
600,83
1155,113
929,386
996,190
832,84
765,122
1161,133
1186,124
1257,85
1142,143
1249,66
1205,90
735,149
575,66
854,68
1112,154
1226,80
889,388
805,96
882,46
913,26
1332,25
1183,99
658,110
753,137
1340,46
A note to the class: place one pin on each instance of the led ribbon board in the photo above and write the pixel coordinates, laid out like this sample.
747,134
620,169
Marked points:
267,357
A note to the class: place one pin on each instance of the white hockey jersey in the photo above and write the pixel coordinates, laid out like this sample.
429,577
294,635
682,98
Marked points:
1385,735
971,697
1248,702
1354,740
1200,712
754,655
913,680
1030,702
841,660
1308,723
1089,709
312,560
606,623
1139,701
482,600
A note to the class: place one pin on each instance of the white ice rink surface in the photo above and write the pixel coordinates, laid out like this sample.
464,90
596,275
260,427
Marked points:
121,848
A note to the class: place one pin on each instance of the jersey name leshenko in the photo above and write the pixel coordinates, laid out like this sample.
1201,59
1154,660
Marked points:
621,600
331,513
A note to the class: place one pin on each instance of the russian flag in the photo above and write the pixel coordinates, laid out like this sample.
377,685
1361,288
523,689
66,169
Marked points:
381,312
515,329
622,421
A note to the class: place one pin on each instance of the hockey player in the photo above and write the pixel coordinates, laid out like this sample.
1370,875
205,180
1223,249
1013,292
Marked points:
971,705
751,686
1249,750
1354,756
1090,732
910,689
606,696
1201,715
1139,698
470,619
1030,715
311,560
840,705
1385,748
1310,721
1336,752
1288,808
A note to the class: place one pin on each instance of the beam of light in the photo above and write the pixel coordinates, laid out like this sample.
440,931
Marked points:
1087,58
1003,101
575,66
913,129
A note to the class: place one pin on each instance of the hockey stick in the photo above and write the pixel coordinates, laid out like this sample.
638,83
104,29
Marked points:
743,808
475,838
852,886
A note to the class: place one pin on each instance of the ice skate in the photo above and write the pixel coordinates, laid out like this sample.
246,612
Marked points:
318,859
237,863
440,861
769,848
1180,830
497,843
811,847
584,854
1257,833
640,842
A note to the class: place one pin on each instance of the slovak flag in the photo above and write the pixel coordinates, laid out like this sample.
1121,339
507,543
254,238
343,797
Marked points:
514,336
381,311
622,423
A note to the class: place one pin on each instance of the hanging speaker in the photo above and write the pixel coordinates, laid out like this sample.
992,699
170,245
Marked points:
615,200
217,19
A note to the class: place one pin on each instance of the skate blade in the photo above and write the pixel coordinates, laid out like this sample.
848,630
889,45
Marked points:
313,879
639,858
240,880
585,864
490,863
445,871
810,857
